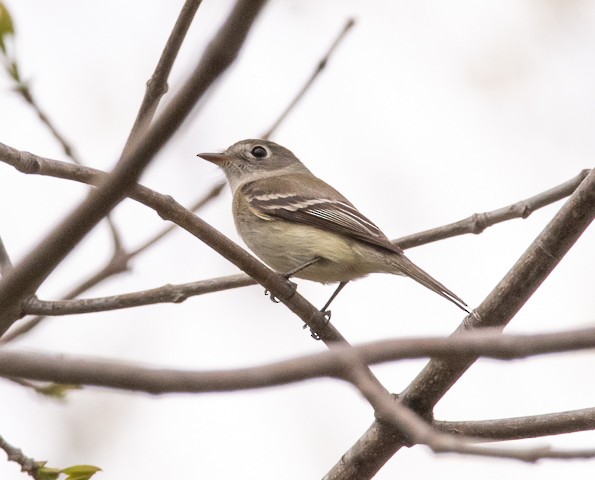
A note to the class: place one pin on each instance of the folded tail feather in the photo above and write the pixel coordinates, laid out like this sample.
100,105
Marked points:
417,274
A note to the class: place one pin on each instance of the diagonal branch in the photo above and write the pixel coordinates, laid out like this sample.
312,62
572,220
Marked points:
198,204
38,264
381,440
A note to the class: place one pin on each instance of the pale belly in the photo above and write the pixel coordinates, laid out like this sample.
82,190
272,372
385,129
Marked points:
285,246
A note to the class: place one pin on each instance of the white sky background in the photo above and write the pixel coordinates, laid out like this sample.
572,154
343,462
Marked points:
428,112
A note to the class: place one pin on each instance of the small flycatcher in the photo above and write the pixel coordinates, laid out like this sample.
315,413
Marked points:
301,226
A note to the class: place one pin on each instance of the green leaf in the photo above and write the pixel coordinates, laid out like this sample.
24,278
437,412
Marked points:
80,472
47,473
57,390
6,25
76,472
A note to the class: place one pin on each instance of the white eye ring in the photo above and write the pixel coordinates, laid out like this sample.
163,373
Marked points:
258,151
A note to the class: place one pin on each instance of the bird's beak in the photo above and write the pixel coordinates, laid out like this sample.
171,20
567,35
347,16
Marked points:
216,158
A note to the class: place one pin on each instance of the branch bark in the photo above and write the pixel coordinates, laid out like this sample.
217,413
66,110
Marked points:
523,427
478,222
157,84
487,343
164,294
381,441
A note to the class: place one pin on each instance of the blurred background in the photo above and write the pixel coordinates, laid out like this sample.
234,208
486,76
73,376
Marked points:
428,112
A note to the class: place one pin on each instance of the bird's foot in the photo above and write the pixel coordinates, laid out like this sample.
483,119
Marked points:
274,299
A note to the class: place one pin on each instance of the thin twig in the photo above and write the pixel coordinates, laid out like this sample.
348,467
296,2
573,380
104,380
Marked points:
164,294
5,263
68,149
38,264
201,202
157,85
117,263
478,222
317,71
22,88
522,427
28,464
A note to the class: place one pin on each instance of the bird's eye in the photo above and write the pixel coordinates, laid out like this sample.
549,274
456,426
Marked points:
259,151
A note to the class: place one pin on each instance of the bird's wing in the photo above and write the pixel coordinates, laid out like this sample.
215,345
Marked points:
302,202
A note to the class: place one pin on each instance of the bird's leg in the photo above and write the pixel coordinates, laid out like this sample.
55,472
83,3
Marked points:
301,267
324,311
291,273
327,313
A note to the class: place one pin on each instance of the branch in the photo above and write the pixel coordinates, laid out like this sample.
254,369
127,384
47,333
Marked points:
523,427
417,431
320,67
381,440
478,222
157,84
201,202
116,264
487,343
348,364
28,465
5,263
37,265
164,294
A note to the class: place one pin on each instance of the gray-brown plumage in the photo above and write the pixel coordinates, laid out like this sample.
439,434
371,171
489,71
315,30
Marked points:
288,217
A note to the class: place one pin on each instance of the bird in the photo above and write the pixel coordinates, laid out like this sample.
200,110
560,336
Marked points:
302,227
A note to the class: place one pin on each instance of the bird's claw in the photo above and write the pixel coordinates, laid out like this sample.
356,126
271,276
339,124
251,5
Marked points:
313,334
273,298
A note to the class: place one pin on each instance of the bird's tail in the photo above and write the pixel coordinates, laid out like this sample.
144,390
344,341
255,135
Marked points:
407,267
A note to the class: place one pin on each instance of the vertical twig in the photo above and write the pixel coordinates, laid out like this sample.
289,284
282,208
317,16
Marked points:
317,71
157,85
